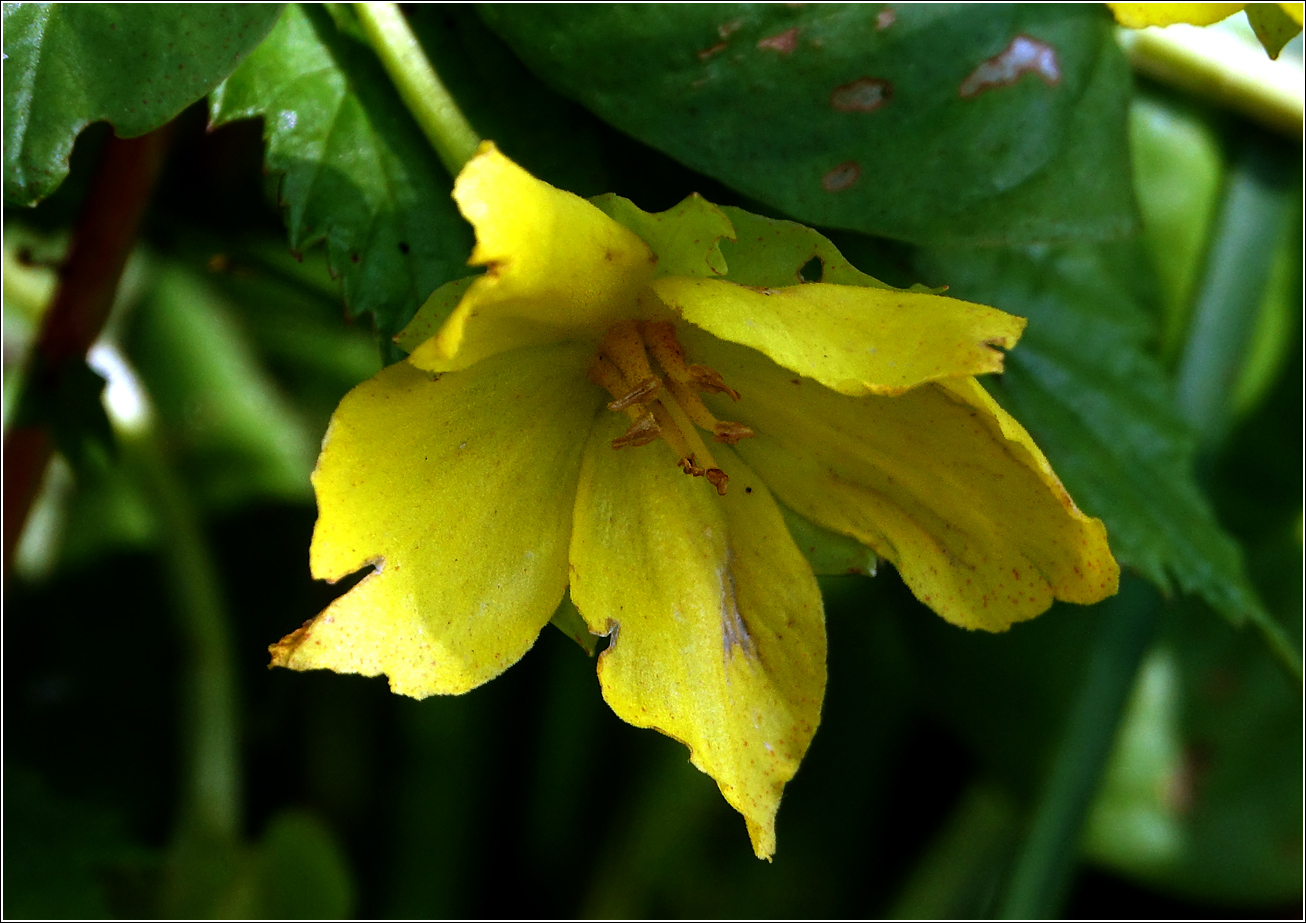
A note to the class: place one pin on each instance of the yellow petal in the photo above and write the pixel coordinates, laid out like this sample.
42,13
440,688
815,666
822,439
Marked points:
1141,15
852,339
460,491
556,266
718,632
940,481
1294,11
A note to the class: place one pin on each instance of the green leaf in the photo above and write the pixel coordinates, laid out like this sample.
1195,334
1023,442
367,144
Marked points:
301,872
235,434
828,552
69,64
1202,796
898,121
568,620
1179,166
357,170
1101,408
58,851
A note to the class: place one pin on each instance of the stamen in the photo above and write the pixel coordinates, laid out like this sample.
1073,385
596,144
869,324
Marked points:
690,461
672,432
674,413
636,395
607,376
730,433
696,410
706,379
644,430
660,337
624,347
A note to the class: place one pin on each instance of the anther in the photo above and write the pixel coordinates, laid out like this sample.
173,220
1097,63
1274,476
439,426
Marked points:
730,433
637,395
721,430
706,379
644,430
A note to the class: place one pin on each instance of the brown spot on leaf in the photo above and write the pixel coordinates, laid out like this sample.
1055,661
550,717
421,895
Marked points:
885,18
784,42
841,177
1023,56
727,29
864,95
709,52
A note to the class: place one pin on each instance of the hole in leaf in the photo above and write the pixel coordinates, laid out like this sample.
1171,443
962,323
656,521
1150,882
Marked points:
812,270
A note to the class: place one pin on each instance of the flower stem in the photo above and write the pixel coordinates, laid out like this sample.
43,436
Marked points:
1047,858
1219,67
102,240
419,86
211,804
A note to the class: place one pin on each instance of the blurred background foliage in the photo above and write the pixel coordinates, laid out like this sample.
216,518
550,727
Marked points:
156,568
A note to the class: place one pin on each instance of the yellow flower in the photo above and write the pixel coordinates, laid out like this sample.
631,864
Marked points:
549,432
1273,23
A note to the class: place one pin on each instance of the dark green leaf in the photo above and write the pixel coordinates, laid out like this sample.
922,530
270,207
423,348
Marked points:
1102,409
300,871
57,852
136,65
357,170
975,124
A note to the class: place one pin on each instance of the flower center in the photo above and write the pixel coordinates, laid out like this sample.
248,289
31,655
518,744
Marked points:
665,406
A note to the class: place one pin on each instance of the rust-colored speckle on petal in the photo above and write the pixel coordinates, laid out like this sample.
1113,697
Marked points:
1023,56
284,649
841,177
864,95
885,18
784,42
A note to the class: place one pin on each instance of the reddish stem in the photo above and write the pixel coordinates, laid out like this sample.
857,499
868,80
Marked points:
102,240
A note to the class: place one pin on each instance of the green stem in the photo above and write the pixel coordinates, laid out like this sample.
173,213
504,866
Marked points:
211,807
419,86
1048,856
1222,69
